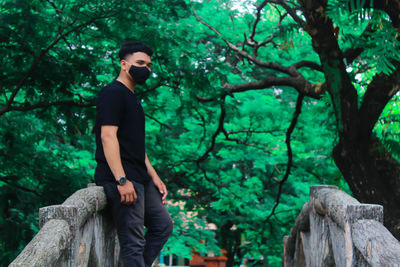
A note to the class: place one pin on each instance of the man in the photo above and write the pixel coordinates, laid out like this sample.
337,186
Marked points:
134,191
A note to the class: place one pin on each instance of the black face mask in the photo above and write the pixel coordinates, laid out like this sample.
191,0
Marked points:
139,74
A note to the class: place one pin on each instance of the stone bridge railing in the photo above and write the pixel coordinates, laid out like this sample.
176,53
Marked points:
334,229
75,233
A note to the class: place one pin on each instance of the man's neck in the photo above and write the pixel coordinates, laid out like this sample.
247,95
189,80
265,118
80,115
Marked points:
127,82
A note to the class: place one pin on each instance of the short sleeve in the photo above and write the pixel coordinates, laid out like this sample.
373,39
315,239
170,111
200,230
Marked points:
110,106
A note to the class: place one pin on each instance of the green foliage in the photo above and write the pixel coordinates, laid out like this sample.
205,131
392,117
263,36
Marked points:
190,233
38,168
54,51
388,127
380,42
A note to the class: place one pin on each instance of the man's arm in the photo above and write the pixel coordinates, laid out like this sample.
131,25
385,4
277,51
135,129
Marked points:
156,179
111,152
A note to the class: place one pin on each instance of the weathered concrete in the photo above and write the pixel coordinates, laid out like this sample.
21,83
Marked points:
78,232
46,247
302,223
376,244
329,200
339,231
60,212
320,243
88,201
105,246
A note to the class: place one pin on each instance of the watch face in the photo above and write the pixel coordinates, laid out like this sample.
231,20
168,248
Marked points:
122,180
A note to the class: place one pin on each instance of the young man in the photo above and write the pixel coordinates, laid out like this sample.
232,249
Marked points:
134,191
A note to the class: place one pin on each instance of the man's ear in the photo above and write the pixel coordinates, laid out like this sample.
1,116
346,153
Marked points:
123,65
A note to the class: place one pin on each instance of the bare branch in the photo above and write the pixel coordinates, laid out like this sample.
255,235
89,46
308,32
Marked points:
253,131
308,64
206,176
252,42
208,25
238,141
266,41
292,12
258,16
217,132
268,65
296,80
204,99
58,11
299,83
289,132
244,143
203,120
158,121
276,168
26,189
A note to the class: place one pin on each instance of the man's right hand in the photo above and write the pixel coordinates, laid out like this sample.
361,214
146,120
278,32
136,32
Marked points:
128,193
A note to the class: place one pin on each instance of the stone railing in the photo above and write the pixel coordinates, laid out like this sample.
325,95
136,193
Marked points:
75,233
334,229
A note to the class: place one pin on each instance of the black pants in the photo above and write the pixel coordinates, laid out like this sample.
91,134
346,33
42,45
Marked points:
137,249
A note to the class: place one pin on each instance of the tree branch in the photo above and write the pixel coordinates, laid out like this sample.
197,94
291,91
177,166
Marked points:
379,92
204,99
300,84
217,132
29,190
308,64
292,125
58,11
206,176
292,12
203,120
343,93
260,7
158,121
252,131
248,132
296,80
268,65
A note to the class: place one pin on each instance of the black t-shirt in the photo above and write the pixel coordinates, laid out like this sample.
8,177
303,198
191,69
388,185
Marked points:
119,106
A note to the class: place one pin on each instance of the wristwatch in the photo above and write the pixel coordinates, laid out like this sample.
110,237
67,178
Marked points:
121,180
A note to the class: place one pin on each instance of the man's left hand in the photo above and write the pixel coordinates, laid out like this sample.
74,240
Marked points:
162,188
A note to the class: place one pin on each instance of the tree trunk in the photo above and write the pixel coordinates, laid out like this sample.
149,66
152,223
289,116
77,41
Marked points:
373,176
371,172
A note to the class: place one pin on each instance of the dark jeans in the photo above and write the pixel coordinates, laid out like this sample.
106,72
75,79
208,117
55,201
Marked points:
137,249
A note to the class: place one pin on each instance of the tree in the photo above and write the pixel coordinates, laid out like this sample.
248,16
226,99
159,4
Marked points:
234,154
347,38
48,115
229,152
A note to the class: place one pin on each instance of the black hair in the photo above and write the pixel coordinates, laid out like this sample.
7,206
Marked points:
129,48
